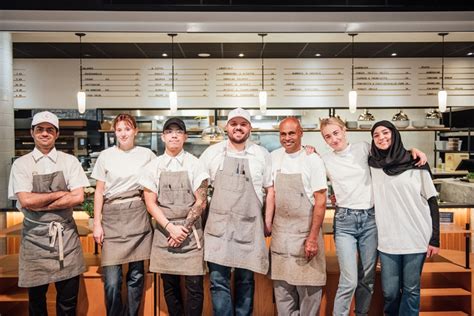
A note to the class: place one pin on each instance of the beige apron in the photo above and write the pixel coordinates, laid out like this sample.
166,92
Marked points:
291,226
50,248
127,229
234,234
175,199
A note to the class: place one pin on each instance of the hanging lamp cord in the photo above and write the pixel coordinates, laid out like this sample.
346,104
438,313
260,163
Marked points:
80,60
263,68
442,64
352,54
172,62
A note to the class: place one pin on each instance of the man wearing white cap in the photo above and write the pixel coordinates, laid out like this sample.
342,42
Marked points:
47,184
234,237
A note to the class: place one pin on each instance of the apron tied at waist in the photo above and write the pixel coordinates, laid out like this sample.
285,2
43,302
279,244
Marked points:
55,231
123,197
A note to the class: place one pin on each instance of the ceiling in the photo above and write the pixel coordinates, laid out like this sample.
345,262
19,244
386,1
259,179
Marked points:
219,45
250,50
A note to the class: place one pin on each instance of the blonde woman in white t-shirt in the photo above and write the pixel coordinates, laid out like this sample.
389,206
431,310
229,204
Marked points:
121,222
355,230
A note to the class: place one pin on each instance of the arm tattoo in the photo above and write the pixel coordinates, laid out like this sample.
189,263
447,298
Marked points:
196,210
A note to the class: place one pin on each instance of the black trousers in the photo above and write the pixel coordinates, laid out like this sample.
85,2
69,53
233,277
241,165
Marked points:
66,298
194,294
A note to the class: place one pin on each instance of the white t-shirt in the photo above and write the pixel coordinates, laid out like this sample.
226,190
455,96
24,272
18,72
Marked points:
120,169
184,161
349,173
260,163
403,215
23,169
311,168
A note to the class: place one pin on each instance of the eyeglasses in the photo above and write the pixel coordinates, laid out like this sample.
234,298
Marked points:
49,130
173,131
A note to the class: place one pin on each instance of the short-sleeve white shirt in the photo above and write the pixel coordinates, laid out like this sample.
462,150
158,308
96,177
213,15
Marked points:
184,161
120,169
349,173
403,215
311,168
260,163
35,162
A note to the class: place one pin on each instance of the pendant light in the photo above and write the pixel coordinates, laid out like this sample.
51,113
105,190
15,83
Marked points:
442,94
262,95
81,95
173,96
352,93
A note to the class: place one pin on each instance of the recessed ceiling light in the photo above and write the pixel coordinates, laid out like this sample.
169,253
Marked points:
87,55
470,54
394,54
204,54
317,55
241,55
164,55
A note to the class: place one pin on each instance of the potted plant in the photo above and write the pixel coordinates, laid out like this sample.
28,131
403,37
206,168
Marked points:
88,205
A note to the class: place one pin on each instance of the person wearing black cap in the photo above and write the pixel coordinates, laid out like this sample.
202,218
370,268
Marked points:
407,219
175,194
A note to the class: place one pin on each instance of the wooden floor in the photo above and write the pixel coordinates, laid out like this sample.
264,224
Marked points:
446,288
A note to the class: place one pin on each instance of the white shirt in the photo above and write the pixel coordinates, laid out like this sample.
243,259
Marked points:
35,162
184,161
260,163
403,215
349,173
120,169
311,168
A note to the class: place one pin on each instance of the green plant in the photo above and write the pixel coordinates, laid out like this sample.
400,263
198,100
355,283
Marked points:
88,207
88,204
470,175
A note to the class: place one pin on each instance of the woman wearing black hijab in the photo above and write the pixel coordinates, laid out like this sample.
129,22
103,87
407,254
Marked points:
407,219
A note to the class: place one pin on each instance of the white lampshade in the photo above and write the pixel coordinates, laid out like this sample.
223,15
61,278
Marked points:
81,102
442,100
262,98
173,101
352,101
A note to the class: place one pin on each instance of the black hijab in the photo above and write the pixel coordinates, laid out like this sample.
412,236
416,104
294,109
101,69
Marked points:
396,159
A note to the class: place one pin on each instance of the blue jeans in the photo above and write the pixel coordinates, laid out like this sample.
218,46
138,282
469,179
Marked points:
113,286
355,233
244,288
401,276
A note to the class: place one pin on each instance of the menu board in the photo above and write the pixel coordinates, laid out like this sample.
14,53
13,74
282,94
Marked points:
188,82
227,83
244,82
19,83
383,81
458,81
313,82
111,82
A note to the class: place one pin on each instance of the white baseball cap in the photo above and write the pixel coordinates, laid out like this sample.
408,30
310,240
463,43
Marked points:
45,117
238,112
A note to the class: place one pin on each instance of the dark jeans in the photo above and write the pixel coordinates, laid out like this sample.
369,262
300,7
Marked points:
113,286
194,294
401,276
220,290
66,298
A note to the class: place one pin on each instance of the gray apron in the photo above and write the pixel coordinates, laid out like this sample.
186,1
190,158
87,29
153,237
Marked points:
175,199
234,234
127,229
291,226
50,248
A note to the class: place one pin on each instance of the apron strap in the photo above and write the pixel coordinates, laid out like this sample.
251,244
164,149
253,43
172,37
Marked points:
56,230
196,236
